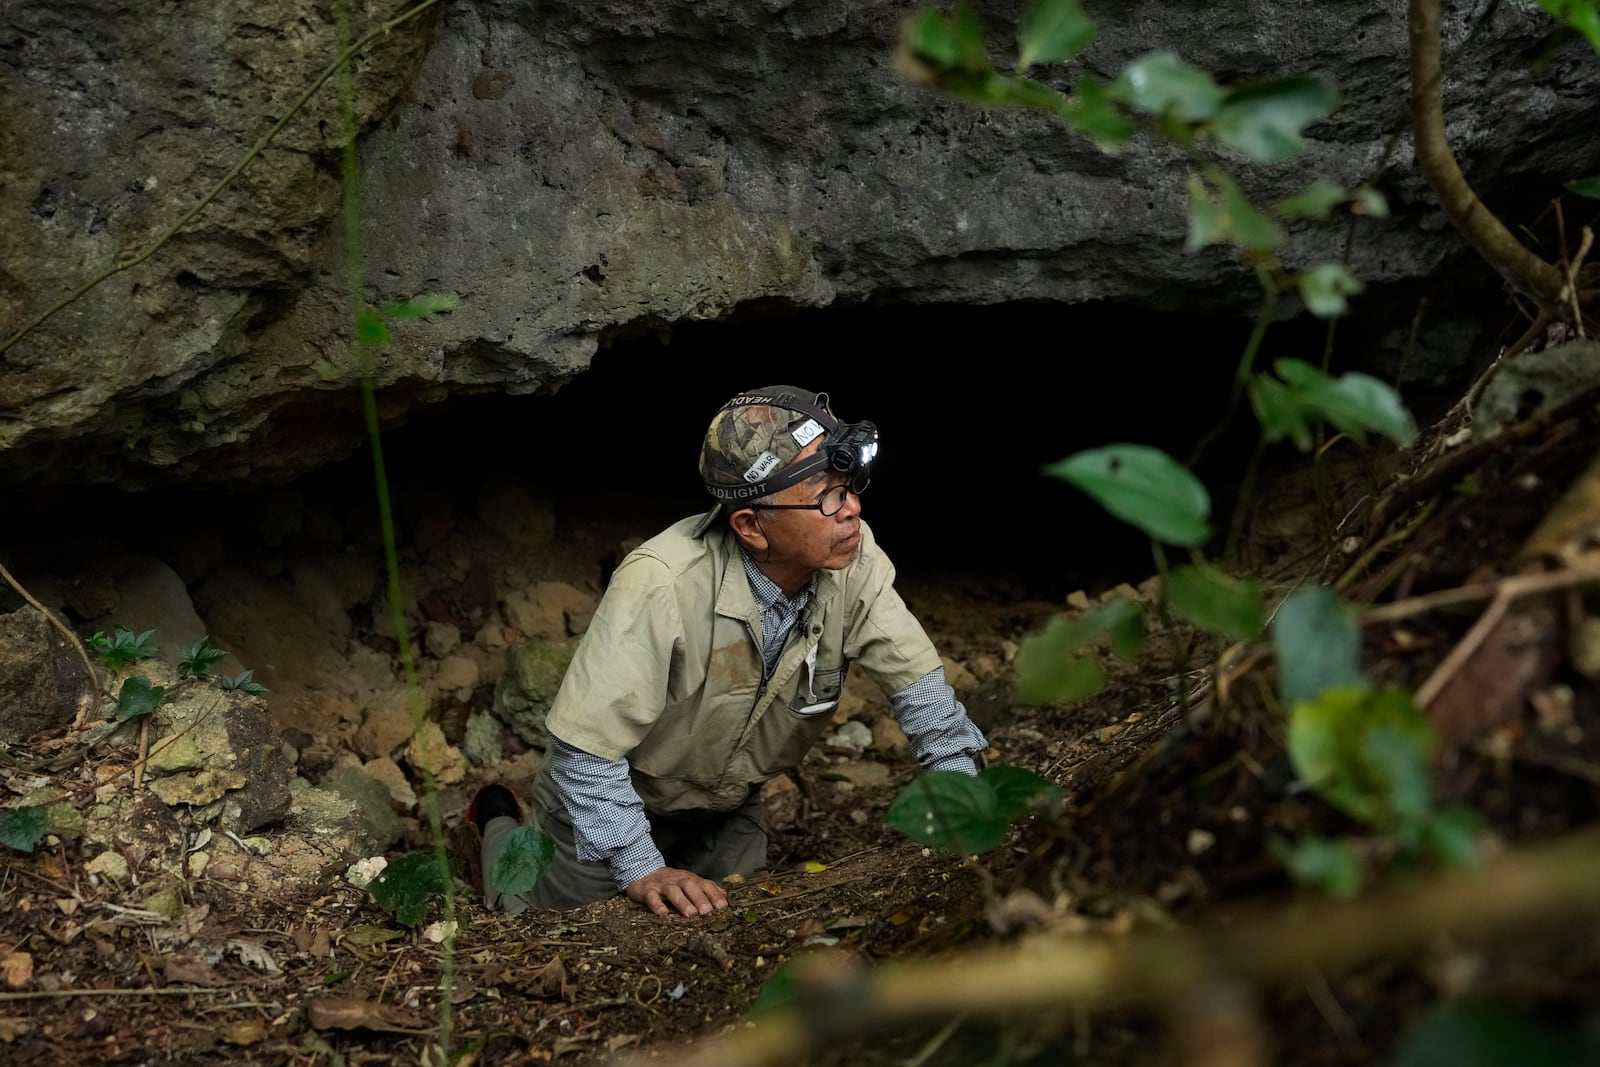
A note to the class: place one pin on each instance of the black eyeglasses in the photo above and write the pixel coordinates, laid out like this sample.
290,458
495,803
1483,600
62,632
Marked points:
831,499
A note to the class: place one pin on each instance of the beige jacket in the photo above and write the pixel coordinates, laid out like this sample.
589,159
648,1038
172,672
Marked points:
668,675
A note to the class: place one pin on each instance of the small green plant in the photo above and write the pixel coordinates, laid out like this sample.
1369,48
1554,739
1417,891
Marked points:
405,886
22,827
198,658
138,698
243,682
123,647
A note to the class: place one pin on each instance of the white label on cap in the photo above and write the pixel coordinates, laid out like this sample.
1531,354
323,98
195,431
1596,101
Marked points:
806,432
761,467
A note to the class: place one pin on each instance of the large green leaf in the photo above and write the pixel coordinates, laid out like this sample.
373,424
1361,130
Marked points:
949,810
1216,602
1280,412
22,827
1052,30
525,854
1051,670
1017,789
1365,753
1264,121
1317,644
406,884
138,697
1452,835
1354,403
1160,82
1143,486
1325,286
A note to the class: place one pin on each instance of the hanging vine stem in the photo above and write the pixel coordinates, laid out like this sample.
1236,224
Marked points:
1247,360
134,260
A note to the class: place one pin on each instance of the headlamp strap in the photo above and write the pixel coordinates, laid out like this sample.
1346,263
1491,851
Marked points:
795,472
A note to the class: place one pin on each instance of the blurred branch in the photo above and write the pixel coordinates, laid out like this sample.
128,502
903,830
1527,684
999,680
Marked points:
1525,271
1540,887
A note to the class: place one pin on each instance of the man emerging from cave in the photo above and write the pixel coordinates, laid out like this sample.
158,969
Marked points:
713,664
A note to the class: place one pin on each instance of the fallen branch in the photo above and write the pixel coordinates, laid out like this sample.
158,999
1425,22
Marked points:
1543,887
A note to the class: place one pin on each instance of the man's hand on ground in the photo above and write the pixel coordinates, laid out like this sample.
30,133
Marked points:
666,888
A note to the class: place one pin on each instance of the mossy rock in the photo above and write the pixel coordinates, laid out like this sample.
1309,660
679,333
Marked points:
522,700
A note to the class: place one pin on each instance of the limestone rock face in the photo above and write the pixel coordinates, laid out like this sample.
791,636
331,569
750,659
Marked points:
574,172
42,680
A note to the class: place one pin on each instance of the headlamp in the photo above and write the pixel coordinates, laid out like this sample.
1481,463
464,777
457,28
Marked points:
849,448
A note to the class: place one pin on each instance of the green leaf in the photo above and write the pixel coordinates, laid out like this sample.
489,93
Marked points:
1452,835
949,810
198,658
1317,644
1143,486
1368,201
138,697
22,827
1264,121
948,43
779,991
1365,752
1581,15
370,329
1330,866
1161,83
1462,1035
1589,187
1091,112
1017,789
1217,602
1226,214
1047,675
1052,30
417,307
406,884
1354,403
1123,619
1280,412
1314,201
1325,286
523,858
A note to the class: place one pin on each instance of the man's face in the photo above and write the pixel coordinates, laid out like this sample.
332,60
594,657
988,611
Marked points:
809,540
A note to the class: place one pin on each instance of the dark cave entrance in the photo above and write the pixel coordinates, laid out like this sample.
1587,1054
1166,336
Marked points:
971,402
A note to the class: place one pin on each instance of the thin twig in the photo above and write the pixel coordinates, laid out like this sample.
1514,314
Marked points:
1572,279
144,753
1512,587
1464,649
166,991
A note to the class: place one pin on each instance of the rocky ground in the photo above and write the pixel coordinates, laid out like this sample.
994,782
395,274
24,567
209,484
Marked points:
191,902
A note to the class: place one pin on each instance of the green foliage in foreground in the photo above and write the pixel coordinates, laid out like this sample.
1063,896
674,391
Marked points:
21,828
964,814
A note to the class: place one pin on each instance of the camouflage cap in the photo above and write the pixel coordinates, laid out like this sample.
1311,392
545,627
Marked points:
754,436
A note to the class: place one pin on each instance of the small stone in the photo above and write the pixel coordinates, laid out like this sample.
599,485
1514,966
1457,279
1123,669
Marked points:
442,639
1078,600
109,865
456,672
853,737
1200,841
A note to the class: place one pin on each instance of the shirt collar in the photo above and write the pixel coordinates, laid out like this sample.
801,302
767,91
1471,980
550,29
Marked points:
768,594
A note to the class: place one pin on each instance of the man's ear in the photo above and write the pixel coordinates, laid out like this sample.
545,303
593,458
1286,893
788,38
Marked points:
747,528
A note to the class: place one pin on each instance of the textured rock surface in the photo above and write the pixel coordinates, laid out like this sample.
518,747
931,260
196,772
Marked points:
525,692
42,679
576,172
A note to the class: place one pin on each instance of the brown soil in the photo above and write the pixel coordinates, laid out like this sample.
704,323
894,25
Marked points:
1166,823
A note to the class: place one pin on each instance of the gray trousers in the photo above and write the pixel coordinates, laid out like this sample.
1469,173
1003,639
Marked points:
711,844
